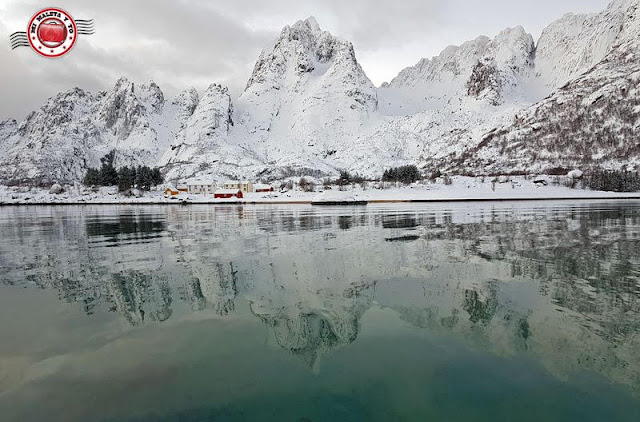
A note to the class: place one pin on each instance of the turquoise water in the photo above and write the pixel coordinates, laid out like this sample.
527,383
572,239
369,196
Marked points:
452,312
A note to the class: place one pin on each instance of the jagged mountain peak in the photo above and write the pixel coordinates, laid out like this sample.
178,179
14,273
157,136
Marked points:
310,24
216,88
511,39
190,92
300,48
123,84
437,67
120,109
186,102
211,118
151,94
203,145
306,77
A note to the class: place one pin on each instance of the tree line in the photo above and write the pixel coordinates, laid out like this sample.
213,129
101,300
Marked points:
404,174
613,181
141,177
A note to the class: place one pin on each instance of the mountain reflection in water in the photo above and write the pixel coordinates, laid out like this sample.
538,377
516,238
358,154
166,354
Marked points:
558,282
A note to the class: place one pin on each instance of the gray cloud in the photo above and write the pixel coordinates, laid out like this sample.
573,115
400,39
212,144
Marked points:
196,42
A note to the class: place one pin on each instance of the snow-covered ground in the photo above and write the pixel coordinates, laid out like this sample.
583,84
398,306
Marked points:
462,188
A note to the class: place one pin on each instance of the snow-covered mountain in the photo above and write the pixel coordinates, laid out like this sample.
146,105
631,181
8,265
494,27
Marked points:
306,97
73,129
591,121
491,104
438,107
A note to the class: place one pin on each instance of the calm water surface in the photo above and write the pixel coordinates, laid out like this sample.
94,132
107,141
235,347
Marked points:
449,312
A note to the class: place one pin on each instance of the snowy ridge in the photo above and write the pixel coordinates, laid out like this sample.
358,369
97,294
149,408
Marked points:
308,107
483,68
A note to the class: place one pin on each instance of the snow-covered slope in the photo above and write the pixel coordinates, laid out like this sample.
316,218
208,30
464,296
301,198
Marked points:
574,43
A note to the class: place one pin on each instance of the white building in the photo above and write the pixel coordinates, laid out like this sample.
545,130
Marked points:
244,185
201,187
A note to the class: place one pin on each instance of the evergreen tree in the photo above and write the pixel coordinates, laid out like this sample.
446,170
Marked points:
108,173
405,174
92,178
144,178
156,176
345,178
126,178
613,181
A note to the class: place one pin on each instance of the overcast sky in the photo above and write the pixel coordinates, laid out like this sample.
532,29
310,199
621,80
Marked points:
182,43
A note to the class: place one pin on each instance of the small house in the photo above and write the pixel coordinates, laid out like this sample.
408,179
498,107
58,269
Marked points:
244,185
201,187
228,193
183,188
259,187
170,191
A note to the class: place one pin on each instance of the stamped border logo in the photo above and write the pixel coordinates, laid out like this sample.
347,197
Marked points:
52,32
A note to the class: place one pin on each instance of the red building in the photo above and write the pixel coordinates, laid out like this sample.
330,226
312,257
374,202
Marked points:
262,188
228,193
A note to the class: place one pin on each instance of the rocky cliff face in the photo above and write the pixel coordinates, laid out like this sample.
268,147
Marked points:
202,146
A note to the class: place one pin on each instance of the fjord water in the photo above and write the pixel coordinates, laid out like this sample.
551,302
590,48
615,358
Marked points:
487,311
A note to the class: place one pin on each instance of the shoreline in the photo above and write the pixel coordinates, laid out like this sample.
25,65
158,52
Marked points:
331,203
461,189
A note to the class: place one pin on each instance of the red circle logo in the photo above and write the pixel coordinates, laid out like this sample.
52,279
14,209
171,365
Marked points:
52,32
